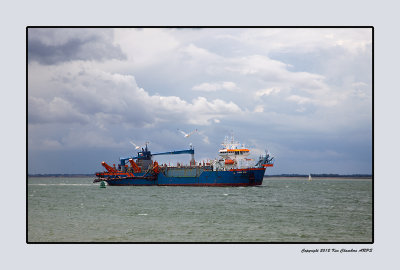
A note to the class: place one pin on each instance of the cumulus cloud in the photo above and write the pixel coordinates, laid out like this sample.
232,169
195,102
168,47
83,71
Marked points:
57,110
299,99
259,109
104,98
205,138
307,40
210,87
267,92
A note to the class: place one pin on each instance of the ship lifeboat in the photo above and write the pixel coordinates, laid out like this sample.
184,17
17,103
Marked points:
229,161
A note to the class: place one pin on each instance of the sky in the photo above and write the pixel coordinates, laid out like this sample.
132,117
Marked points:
303,94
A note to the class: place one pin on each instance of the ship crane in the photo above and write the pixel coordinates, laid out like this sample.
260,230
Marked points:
108,167
265,161
135,167
145,154
188,151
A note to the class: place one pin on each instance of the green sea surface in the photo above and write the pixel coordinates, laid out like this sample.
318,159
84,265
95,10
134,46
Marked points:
62,209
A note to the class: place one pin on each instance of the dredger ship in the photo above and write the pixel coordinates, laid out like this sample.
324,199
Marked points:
232,168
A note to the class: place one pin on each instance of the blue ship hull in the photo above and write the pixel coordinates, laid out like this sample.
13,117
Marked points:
193,177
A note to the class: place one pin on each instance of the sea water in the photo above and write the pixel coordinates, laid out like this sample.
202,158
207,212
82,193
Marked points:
281,210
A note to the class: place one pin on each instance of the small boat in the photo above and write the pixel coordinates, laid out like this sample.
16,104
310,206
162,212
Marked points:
309,177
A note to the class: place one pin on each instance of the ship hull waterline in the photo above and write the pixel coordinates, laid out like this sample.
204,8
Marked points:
243,177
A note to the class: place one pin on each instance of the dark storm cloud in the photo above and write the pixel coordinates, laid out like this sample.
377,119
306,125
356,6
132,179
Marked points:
48,48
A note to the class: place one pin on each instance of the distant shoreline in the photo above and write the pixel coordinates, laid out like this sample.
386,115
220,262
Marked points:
61,175
319,178
322,175
363,176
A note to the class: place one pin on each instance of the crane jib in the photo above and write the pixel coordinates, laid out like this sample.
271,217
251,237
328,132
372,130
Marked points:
147,155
